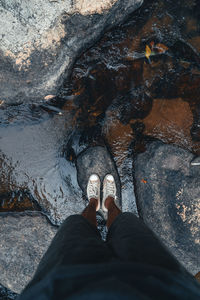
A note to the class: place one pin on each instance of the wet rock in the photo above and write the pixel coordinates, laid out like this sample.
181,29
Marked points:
40,41
24,240
119,138
31,159
97,160
167,189
177,128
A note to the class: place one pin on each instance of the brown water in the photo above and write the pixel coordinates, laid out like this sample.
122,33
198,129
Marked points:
124,91
141,81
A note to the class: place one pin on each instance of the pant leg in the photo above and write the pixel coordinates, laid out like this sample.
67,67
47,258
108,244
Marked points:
131,240
76,242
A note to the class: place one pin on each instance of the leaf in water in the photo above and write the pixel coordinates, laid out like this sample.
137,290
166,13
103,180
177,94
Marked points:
1,102
49,97
147,52
96,113
144,181
161,48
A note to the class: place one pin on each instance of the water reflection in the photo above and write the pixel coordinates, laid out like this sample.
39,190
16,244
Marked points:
141,81
34,162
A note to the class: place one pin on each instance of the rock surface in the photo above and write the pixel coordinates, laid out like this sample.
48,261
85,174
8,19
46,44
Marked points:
35,147
97,160
40,41
24,240
6,294
167,192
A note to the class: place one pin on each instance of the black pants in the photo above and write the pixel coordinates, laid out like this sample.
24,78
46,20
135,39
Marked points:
129,239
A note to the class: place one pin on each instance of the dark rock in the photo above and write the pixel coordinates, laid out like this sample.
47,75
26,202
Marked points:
97,160
167,192
41,40
24,240
6,294
195,132
135,103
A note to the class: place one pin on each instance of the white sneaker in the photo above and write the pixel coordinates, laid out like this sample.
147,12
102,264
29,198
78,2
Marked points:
93,189
109,189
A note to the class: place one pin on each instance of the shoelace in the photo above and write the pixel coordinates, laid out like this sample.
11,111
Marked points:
93,189
110,188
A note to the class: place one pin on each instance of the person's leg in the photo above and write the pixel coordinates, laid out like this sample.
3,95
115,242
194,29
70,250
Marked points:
113,210
129,238
90,211
108,202
77,241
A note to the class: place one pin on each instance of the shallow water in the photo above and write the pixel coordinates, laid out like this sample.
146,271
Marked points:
140,82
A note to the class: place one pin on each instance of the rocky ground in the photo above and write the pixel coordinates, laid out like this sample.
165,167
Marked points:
40,143
39,44
167,193
25,239
40,41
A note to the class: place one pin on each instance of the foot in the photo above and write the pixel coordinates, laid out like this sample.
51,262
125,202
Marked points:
109,190
93,189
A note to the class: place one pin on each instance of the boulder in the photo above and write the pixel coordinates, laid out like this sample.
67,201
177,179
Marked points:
41,39
167,193
97,160
24,240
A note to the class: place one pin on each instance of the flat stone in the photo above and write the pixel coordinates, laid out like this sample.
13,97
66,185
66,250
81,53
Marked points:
24,240
99,161
167,193
41,39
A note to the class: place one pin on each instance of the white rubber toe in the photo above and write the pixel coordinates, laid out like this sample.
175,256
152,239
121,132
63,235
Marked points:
93,189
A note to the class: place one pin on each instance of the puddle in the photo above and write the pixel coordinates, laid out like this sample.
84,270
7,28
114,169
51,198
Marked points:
140,81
